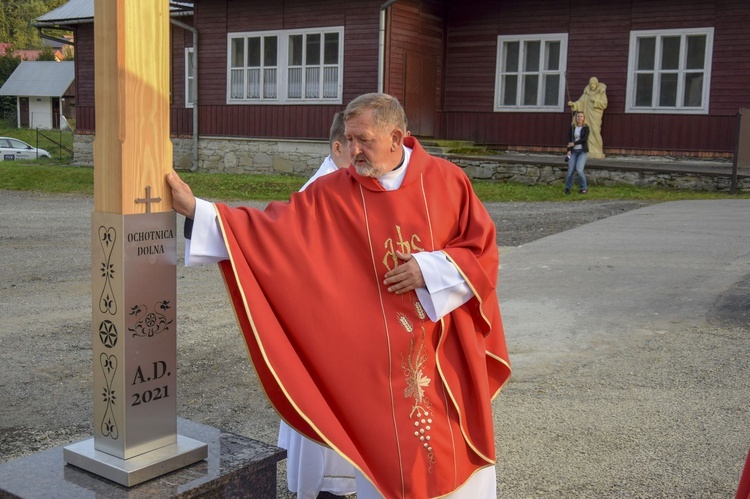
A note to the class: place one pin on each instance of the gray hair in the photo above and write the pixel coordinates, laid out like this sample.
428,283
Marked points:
387,111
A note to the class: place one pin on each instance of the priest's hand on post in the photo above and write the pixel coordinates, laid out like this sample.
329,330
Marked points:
183,201
406,276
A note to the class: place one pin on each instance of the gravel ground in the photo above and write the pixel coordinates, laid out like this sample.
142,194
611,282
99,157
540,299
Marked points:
45,362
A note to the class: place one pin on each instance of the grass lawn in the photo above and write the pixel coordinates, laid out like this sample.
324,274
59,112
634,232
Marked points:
58,176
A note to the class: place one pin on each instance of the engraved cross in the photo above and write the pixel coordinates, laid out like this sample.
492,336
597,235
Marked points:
148,199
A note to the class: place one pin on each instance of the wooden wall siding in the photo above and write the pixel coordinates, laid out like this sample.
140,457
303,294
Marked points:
672,14
472,30
181,121
263,15
599,47
635,132
360,19
85,110
217,18
84,66
180,40
214,19
291,122
463,36
668,131
730,79
470,69
211,22
360,47
85,117
306,14
507,128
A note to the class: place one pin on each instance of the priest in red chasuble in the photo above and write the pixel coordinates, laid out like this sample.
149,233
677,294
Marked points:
368,305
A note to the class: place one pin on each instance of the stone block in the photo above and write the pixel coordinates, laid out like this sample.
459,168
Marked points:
236,466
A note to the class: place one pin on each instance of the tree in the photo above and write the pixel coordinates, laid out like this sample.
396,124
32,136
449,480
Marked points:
47,54
16,17
8,63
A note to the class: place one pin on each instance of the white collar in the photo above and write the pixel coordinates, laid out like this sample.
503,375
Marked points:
393,179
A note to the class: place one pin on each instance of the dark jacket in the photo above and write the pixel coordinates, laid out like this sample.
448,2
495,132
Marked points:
584,140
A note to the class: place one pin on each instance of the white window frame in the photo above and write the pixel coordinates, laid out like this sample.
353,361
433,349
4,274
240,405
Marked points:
680,108
189,76
283,67
562,38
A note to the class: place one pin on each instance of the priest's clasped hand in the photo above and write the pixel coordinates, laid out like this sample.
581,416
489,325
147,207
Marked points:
404,277
183,201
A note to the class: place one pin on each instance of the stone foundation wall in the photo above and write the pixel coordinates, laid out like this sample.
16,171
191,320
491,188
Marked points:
238,155
255,156
83,150
232,155
531,174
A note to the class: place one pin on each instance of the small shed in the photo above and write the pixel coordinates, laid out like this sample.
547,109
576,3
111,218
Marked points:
45,91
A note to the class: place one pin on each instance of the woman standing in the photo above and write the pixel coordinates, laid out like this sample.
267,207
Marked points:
578,149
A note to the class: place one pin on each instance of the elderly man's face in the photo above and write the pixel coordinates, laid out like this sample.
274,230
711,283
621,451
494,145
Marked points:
374,151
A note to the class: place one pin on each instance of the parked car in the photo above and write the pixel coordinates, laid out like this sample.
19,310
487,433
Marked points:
11,149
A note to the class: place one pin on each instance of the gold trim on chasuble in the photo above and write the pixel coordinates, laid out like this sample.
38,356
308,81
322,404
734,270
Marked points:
489,354
263,350
481,309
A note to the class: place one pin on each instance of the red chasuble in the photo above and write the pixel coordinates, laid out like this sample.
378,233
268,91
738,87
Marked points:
352,366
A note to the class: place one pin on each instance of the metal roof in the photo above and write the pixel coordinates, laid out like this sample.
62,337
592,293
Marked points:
74,10
77,11
40,79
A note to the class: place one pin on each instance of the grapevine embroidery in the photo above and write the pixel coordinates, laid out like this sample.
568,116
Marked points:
417,381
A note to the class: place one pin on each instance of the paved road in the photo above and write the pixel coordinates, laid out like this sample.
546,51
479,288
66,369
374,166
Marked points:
630,344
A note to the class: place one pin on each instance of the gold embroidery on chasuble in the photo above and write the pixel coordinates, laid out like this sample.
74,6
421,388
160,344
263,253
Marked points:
401,245
417,381
413,321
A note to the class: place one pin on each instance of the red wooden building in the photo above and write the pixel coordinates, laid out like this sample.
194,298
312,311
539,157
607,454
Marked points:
494,72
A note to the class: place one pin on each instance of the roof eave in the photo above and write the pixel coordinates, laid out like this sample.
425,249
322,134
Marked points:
62,23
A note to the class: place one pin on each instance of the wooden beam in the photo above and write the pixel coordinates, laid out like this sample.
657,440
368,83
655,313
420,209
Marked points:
132,148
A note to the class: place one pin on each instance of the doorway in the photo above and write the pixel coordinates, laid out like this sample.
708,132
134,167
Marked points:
420,93
23,111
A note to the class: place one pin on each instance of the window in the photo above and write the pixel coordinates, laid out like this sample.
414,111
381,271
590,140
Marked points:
669,71
286,67
189,77
530,72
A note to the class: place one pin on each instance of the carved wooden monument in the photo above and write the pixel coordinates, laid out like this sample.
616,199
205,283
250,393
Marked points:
133,253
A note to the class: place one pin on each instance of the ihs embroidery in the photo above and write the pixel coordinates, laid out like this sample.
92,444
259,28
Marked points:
390,260
416,381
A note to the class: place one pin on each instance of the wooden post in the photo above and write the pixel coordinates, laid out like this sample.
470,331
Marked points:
132,149
133,253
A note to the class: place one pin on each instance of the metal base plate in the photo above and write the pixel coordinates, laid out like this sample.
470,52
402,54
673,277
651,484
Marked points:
138,469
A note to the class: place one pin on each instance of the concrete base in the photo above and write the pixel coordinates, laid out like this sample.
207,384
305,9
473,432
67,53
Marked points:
236,466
